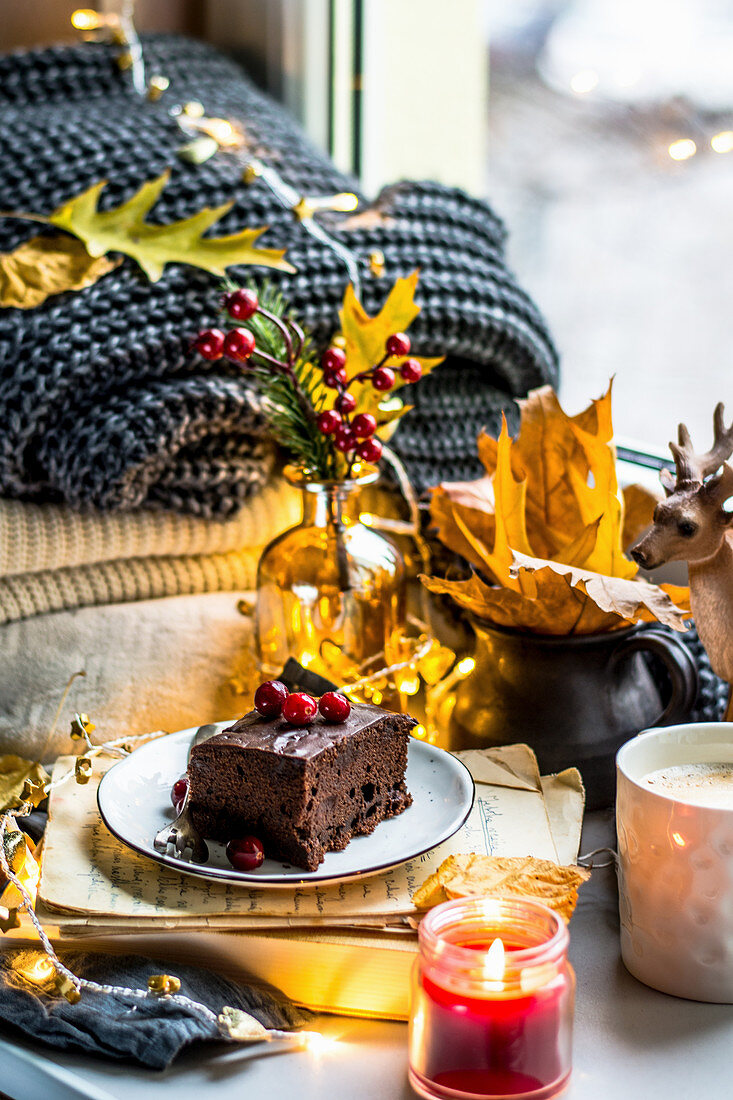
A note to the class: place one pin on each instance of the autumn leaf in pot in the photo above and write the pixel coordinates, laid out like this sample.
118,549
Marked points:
559,612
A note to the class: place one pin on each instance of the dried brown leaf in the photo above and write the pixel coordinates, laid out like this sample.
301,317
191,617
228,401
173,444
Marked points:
639,505
548,604
449,517
632,600
550,500
43,266
471,875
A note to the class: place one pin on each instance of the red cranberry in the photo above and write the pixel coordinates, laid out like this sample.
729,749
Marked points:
333,360
334,707
398,344
329,421
334,379
179,790
383,378
210,343
344,440
364,425
239,344
242,304
245,853
346,403
411,370
270,698
370,450
300,709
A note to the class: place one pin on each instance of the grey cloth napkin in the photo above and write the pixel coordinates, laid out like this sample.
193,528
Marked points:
150,1032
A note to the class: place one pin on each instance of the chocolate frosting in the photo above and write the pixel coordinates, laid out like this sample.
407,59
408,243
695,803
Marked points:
277,736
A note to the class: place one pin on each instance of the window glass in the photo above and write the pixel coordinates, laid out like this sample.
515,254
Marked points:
611,159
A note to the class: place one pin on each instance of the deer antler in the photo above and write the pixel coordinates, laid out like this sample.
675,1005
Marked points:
692,468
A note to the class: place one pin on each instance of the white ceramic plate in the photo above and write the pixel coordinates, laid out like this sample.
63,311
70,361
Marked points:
134,800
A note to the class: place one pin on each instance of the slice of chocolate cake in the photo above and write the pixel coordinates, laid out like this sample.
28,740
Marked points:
302,790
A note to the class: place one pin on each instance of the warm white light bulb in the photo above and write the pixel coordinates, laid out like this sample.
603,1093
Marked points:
85,19
584,81
722,142
682,149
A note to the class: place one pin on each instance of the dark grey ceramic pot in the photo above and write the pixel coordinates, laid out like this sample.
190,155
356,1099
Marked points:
574,700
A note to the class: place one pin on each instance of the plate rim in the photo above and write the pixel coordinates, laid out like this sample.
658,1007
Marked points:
249,880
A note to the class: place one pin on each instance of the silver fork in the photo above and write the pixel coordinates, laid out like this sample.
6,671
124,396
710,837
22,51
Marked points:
181,833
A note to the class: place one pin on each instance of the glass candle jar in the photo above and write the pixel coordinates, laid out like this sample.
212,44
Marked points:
491,1012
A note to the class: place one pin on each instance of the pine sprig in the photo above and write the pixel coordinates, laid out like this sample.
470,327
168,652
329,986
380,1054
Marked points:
321,410
290,402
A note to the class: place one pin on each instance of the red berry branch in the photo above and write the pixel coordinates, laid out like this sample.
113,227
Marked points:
273,348
240,344
354,436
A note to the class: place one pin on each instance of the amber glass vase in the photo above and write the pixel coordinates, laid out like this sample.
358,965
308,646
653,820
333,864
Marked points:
331,591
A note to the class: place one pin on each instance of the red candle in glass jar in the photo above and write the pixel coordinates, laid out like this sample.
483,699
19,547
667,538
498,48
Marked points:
492,1002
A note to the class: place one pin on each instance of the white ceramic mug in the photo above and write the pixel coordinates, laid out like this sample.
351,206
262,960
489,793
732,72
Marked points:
675,868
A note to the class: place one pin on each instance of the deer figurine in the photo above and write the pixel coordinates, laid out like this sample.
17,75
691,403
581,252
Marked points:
691,525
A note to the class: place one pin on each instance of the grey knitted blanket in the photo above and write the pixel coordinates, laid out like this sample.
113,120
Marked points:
102,402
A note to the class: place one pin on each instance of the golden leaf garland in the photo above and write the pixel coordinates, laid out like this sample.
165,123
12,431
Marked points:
14,773
462,876
546,526
124,229
44,266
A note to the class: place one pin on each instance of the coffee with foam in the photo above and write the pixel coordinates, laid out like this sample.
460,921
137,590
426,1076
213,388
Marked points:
697,784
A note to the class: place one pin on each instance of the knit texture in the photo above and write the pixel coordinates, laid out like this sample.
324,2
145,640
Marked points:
36,538
101,399
112,582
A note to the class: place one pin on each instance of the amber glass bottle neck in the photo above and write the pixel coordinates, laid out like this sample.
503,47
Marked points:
331,504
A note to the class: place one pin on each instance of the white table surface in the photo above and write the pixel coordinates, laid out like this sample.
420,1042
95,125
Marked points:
631,1043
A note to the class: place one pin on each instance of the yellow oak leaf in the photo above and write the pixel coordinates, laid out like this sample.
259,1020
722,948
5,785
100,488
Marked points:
366,337
43,266
124,229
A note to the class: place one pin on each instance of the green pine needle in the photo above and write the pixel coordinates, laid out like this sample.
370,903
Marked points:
291,427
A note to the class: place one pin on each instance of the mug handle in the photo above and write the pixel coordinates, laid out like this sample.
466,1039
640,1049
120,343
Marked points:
679,663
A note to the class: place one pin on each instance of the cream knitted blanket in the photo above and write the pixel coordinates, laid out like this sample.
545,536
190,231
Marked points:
52,558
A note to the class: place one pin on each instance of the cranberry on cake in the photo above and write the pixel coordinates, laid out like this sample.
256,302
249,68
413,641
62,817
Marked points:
304,780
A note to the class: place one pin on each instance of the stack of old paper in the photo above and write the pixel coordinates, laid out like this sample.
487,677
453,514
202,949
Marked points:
93,886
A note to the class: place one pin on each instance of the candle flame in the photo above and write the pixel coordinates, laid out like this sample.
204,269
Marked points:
494,962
